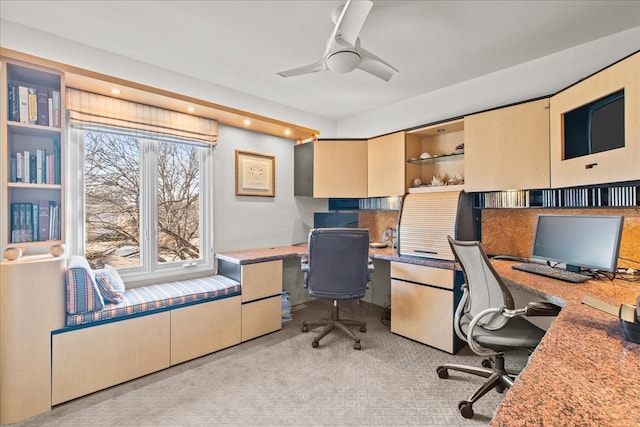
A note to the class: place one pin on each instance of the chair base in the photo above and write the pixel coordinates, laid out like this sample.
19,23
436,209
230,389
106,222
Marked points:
335,323
497,377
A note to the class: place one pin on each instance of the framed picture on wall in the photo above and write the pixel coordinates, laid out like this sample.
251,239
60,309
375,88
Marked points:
255,174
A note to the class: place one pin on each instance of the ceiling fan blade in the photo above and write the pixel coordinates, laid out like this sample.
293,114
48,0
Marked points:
375,65
353,16
307,69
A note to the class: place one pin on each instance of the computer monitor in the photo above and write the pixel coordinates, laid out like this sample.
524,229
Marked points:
579,241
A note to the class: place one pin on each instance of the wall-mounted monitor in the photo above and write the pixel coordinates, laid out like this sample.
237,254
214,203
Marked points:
579,241
595,127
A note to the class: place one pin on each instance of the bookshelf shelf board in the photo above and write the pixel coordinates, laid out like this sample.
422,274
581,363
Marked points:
18,128
27,186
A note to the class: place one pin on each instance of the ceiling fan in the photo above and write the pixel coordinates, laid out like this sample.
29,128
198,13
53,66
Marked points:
343,53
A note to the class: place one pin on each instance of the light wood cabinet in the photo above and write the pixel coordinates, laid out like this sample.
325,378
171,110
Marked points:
508,148
32,304
386,165
445,162
261,298
615,165
423,303
331,168
32,153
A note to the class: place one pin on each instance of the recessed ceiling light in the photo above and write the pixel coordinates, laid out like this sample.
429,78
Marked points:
247,122
191,109
287,132
115,91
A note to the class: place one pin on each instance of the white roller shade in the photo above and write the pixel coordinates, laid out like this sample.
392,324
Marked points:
98,112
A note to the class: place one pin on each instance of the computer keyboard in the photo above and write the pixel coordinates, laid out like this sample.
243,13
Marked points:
555,273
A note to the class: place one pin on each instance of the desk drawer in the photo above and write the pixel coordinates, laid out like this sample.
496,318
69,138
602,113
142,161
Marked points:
261,317
261,280
422,274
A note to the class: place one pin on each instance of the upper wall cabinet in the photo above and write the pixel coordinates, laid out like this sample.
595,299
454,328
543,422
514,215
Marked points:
331,168
508,148
595,128
386,165
434,157
31,150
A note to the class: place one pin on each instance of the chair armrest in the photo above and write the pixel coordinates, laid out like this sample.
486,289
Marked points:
304,267
539,308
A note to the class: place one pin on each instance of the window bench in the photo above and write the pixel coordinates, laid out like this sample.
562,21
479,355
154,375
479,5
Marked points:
152,328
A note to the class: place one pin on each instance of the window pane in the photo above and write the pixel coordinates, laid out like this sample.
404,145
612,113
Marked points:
178,202
112,191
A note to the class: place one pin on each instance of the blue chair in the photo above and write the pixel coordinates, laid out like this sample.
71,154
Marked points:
337,268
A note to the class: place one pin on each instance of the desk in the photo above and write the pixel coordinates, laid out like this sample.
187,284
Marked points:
583,373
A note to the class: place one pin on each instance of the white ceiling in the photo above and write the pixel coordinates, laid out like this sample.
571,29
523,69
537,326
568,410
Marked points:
242,44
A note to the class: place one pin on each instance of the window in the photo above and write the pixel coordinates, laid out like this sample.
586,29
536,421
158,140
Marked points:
141,201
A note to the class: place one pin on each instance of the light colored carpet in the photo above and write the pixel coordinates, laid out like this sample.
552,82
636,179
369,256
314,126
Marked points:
280,380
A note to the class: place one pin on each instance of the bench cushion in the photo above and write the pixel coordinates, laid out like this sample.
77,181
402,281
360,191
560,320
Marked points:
157,297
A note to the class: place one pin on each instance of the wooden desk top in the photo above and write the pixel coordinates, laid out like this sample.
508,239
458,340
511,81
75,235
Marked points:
583,373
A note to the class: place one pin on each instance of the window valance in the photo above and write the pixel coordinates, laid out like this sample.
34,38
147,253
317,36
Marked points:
93,111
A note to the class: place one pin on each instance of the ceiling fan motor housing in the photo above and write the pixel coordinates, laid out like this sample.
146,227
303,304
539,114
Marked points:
343,61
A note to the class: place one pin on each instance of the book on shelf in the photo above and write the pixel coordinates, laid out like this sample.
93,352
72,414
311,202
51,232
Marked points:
55,108
23,104
33,106
43,105
14,103
36,167
35,221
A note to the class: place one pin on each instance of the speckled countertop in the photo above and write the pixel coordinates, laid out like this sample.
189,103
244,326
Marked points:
583,373
252,256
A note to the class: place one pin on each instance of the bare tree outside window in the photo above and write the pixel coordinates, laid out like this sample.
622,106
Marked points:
113,200
178,202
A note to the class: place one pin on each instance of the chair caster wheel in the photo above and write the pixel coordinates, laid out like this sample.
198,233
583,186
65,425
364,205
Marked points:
363,329
315,344
305,328
357,346
442,372
466,409
486,363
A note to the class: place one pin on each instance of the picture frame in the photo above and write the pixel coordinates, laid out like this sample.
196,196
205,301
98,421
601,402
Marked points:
255,174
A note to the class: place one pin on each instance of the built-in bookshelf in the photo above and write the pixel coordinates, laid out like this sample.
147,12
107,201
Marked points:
32,156
601,196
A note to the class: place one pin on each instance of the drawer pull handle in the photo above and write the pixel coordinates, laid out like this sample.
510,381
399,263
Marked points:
590,165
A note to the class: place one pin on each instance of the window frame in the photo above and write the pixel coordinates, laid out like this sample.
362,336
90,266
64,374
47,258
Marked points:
150,270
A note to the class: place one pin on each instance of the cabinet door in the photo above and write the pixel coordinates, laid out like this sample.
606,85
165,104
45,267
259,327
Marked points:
508,148
423,313
386,165
621,164
340,169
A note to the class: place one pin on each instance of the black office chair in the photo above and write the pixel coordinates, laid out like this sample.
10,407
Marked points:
487,320
337,268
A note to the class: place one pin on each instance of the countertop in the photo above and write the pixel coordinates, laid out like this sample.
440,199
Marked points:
251,256
583,373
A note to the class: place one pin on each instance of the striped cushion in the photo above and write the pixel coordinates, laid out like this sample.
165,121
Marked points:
156,297
82,293
110,284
